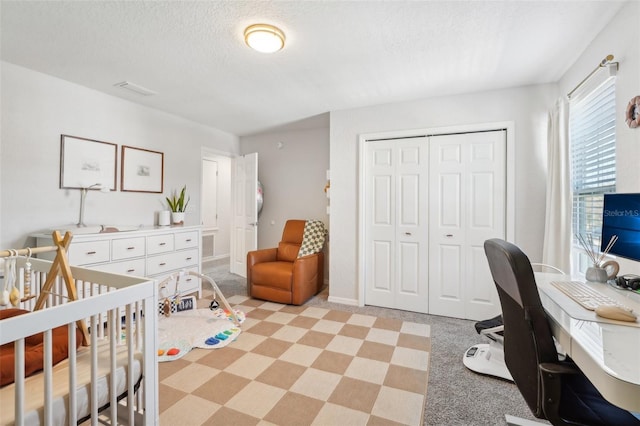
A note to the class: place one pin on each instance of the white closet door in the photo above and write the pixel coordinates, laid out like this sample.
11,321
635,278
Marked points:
396,243
467,179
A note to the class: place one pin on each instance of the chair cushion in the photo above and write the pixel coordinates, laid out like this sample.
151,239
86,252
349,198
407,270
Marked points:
34,349
288,252
273,274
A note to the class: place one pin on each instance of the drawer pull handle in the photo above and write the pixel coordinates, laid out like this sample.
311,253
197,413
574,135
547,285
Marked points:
189,279
130,270
131,248
163,244
163,264
188,240
91,252
188,258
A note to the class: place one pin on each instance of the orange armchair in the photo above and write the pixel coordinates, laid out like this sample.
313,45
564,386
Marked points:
279,275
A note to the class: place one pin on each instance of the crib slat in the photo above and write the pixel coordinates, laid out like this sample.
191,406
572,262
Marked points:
130,378
113,330
19,380
48,377
73,396
94,371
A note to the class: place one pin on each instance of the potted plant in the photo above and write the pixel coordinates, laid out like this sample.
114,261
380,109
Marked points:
178,205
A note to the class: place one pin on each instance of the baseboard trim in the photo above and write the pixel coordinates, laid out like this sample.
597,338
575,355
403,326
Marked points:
343,301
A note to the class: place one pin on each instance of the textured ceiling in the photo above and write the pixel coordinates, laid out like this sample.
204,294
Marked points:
339,54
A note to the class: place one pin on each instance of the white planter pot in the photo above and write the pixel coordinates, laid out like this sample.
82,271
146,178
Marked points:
177,218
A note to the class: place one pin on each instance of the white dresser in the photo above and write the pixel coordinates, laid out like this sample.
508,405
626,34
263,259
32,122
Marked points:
155,252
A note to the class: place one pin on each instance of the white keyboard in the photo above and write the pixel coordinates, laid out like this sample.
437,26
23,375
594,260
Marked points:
587,297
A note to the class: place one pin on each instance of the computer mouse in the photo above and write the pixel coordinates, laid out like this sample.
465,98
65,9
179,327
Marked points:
615,313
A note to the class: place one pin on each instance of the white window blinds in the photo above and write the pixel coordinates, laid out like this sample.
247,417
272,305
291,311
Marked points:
593,157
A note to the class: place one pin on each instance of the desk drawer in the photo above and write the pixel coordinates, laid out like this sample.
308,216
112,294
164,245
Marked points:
160,244
171,261
186,240
89,252
126,248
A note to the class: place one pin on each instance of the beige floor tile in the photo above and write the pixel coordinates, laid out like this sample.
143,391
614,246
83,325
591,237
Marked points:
195,354
289,333
332,414
327,326
190,410
280,317
398,405
417,329
363,320
250,365
377,351
316,384
338,316
226,416
414,342
407,379
301,355
314,312
317,339
272,306
248,340
222,358
168,396
256,399
191,377
388,337
410,358
388,324
237,299
345,345
368,370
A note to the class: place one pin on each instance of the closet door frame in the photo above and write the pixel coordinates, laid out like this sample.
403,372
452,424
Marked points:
509,126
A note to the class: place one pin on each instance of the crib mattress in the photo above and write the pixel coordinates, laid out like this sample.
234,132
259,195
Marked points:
34,385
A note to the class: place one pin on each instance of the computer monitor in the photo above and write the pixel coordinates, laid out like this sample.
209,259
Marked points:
621,217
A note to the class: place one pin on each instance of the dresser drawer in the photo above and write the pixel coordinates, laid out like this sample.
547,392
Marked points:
188,284
89,252
160,243
126,267
126,248
170,261
186,240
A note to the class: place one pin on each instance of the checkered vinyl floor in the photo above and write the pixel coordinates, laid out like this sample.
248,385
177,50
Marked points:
297,365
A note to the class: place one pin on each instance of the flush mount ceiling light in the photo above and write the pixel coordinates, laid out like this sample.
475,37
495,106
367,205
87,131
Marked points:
264,38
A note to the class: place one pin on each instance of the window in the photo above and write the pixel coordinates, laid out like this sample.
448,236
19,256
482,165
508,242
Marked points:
593,159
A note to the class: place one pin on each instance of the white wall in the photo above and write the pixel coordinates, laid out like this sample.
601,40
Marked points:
620,38
527,107
293,178
37,108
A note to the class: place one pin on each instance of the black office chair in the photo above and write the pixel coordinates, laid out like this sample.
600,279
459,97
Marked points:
554,390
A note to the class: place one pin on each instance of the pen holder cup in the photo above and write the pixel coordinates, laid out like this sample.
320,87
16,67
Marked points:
596,274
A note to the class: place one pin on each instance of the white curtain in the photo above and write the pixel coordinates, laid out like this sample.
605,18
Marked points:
557,230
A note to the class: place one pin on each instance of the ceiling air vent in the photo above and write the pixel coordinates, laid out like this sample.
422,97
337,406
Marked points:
135,88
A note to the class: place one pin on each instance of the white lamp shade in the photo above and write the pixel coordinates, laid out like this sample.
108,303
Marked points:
264,38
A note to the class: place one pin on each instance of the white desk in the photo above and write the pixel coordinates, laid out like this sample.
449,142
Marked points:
608,352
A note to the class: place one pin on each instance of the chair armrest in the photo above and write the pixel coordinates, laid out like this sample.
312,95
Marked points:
305,278
551,392
261,256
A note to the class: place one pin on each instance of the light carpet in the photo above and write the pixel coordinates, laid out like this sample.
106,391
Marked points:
302,365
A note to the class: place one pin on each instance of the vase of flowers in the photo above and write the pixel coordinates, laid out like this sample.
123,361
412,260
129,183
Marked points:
178,203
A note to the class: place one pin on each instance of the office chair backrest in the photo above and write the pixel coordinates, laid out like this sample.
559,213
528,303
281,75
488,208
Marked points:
527,336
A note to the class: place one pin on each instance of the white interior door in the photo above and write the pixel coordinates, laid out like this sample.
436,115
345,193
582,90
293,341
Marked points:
396,243
244,235
209,194
467,180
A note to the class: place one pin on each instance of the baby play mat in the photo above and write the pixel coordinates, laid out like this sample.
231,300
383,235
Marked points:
196,328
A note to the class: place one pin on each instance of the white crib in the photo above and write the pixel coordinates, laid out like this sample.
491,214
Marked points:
113,380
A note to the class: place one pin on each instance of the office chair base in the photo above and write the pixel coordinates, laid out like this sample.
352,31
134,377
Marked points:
487,358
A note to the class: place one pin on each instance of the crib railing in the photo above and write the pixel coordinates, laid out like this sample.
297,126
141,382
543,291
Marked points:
120,311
